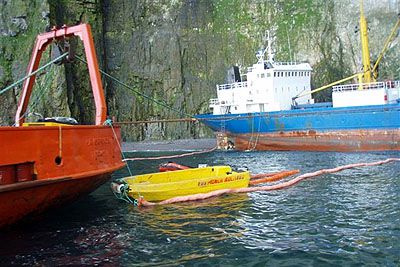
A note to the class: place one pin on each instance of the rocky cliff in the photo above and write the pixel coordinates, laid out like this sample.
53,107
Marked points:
176,51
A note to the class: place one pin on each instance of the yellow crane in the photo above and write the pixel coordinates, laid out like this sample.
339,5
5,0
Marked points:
368,75
365,46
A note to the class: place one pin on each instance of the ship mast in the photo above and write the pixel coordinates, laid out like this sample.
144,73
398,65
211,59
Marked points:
364,44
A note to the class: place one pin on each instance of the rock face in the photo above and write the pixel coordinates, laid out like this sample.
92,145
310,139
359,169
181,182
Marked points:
174,52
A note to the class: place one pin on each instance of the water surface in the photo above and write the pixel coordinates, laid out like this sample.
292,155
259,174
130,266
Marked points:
349,218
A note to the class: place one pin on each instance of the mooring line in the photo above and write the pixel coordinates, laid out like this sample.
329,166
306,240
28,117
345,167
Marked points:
33,73
173,156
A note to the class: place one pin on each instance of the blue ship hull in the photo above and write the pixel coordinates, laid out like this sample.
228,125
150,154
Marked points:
318,129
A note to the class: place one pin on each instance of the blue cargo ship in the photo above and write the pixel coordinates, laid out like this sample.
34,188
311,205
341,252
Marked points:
272,107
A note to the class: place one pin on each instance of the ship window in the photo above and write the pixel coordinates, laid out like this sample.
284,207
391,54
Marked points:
262,75
268,74
274,74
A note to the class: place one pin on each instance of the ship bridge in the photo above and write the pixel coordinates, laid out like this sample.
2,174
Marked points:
270,86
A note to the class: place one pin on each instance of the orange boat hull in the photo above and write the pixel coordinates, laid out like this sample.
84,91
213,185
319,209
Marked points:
42,167
49,163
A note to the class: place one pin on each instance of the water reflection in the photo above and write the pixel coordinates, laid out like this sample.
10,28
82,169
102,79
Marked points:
347,218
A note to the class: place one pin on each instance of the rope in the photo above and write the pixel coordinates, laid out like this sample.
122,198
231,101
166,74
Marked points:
251,145
180,112
40,93
109,123
33,73
125,189
124,194
173,156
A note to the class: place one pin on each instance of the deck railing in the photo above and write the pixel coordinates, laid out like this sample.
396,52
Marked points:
231,86
366,86
288,63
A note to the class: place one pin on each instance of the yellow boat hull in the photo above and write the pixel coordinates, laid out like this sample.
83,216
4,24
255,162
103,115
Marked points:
164,185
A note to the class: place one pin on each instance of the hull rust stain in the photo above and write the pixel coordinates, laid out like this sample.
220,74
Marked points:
351,140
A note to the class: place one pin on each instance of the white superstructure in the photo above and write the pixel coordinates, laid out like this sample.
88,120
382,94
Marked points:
270,86
366,94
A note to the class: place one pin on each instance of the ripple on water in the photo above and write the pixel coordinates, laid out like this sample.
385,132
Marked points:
347,218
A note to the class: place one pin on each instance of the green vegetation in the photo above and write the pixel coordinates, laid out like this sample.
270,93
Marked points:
176,51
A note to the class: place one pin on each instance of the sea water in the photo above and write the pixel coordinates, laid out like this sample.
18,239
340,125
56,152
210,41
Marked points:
350,218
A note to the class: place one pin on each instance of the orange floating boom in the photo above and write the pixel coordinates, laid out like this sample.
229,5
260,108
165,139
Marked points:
273,178
143,203
262,175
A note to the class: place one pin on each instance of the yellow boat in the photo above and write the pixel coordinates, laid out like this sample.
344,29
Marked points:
164,185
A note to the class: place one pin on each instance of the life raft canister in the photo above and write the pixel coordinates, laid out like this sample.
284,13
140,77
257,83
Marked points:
171,166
